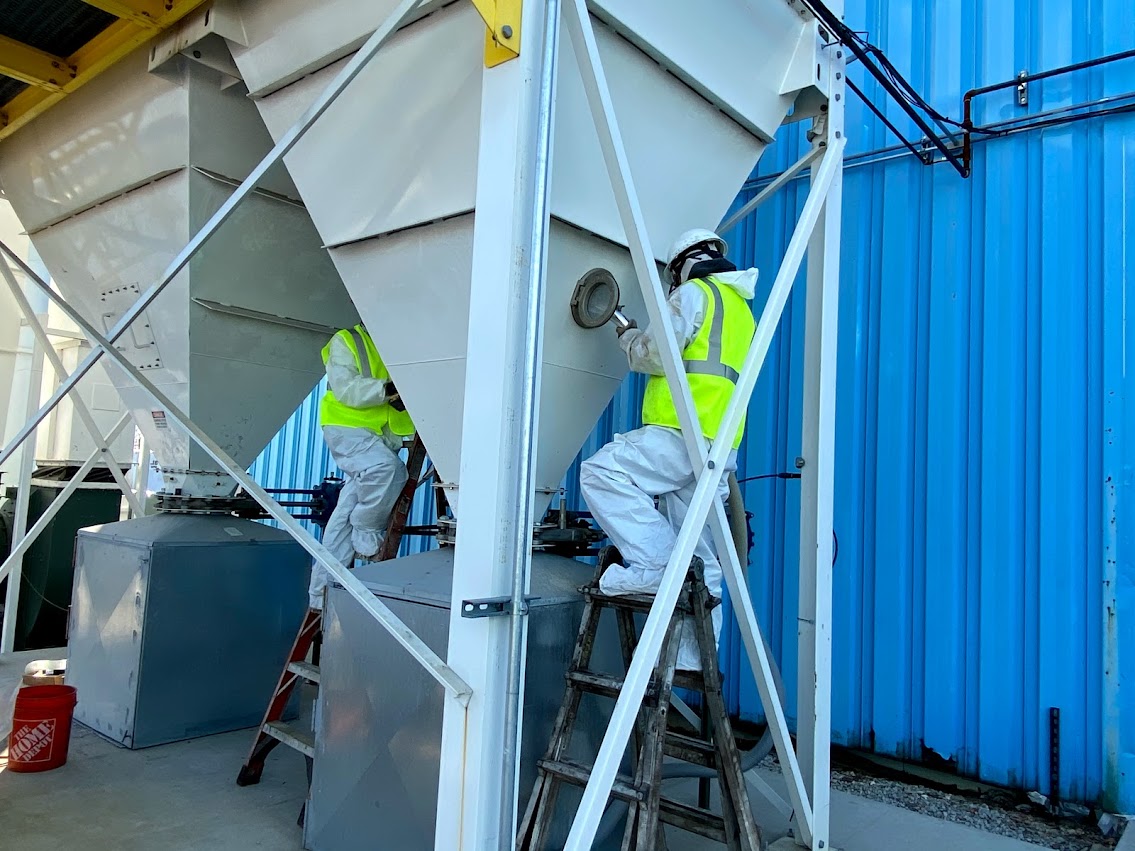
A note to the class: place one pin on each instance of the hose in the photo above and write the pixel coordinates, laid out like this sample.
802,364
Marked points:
750,759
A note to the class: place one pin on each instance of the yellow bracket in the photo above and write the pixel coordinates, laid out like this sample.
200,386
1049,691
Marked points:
502,41
34,67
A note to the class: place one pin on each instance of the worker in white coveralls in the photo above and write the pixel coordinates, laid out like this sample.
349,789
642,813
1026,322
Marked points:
364,423
714,326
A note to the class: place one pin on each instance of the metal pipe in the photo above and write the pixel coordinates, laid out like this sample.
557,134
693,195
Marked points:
286,143
401,633
968,97
529,409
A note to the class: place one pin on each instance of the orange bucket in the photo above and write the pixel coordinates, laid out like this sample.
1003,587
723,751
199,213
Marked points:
41,727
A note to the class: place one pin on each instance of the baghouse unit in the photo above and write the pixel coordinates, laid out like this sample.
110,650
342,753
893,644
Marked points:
462,183
110,185
423,176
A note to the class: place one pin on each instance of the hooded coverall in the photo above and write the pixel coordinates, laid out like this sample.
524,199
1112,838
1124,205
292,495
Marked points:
621,481
364,434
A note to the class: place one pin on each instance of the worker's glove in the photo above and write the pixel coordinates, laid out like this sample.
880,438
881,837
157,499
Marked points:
620,330
392,397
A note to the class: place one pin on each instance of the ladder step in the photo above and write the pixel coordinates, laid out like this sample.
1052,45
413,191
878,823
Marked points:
306,670
601,684
577,774
689,749
684,816
692,819
630,602
294,737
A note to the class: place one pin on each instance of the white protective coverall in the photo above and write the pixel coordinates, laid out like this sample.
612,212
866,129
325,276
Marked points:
374,474
621,480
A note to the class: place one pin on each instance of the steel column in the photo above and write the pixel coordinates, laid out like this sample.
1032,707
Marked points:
282,147
389,621
23,495
52,356
477,802
817,448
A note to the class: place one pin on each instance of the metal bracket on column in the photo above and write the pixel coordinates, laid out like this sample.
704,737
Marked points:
502,41
492,607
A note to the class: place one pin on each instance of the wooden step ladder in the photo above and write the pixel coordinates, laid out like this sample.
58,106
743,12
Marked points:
648,810
302,664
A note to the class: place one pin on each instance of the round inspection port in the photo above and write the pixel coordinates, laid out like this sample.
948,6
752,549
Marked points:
595,299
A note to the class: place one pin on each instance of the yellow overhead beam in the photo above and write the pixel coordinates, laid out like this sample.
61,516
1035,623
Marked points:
502,41
34,67
144,12
114,43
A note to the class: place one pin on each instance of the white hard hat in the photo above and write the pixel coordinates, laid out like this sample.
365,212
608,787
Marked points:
697,236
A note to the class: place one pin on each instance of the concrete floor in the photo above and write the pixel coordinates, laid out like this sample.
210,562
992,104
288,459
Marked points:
182,797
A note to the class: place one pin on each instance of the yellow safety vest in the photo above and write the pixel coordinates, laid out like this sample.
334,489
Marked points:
332,412
713,361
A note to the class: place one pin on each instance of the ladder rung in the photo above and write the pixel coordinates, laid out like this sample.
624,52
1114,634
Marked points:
690,749
692,819
596,683
292,736
306,670
573,772
631,602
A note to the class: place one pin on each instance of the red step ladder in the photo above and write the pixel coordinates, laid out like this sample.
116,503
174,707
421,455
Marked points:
273,729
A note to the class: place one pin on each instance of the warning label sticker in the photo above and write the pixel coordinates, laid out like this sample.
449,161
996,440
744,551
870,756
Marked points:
159,419
32,742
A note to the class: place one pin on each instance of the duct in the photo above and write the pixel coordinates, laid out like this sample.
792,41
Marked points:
111,185
389,176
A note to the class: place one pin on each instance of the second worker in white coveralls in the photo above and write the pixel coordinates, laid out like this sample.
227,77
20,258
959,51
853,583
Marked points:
364,424
714,327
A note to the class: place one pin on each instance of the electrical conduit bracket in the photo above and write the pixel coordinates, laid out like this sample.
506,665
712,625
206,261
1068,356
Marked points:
502,40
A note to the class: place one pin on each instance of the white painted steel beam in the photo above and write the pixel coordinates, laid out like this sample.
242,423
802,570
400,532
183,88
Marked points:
417,648
21,547
817,477
480,754
288,141
782,180
52,356
20,519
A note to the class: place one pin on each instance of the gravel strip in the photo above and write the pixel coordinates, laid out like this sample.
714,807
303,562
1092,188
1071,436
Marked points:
994,813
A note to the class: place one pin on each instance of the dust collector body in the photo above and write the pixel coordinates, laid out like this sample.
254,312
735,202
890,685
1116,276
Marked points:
180,624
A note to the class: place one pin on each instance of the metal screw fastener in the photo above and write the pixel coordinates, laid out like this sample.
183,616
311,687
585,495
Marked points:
821,843
799,462
839,54
506,31
839,76
712,465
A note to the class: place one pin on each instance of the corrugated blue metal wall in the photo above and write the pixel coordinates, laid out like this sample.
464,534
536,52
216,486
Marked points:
984,483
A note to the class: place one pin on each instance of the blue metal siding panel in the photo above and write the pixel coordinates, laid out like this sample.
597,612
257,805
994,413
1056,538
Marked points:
984,487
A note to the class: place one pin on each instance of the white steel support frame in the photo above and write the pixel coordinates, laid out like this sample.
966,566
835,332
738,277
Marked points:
808,788
85,415
23,496
288,141
480,753
417,648
22,537
453,684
